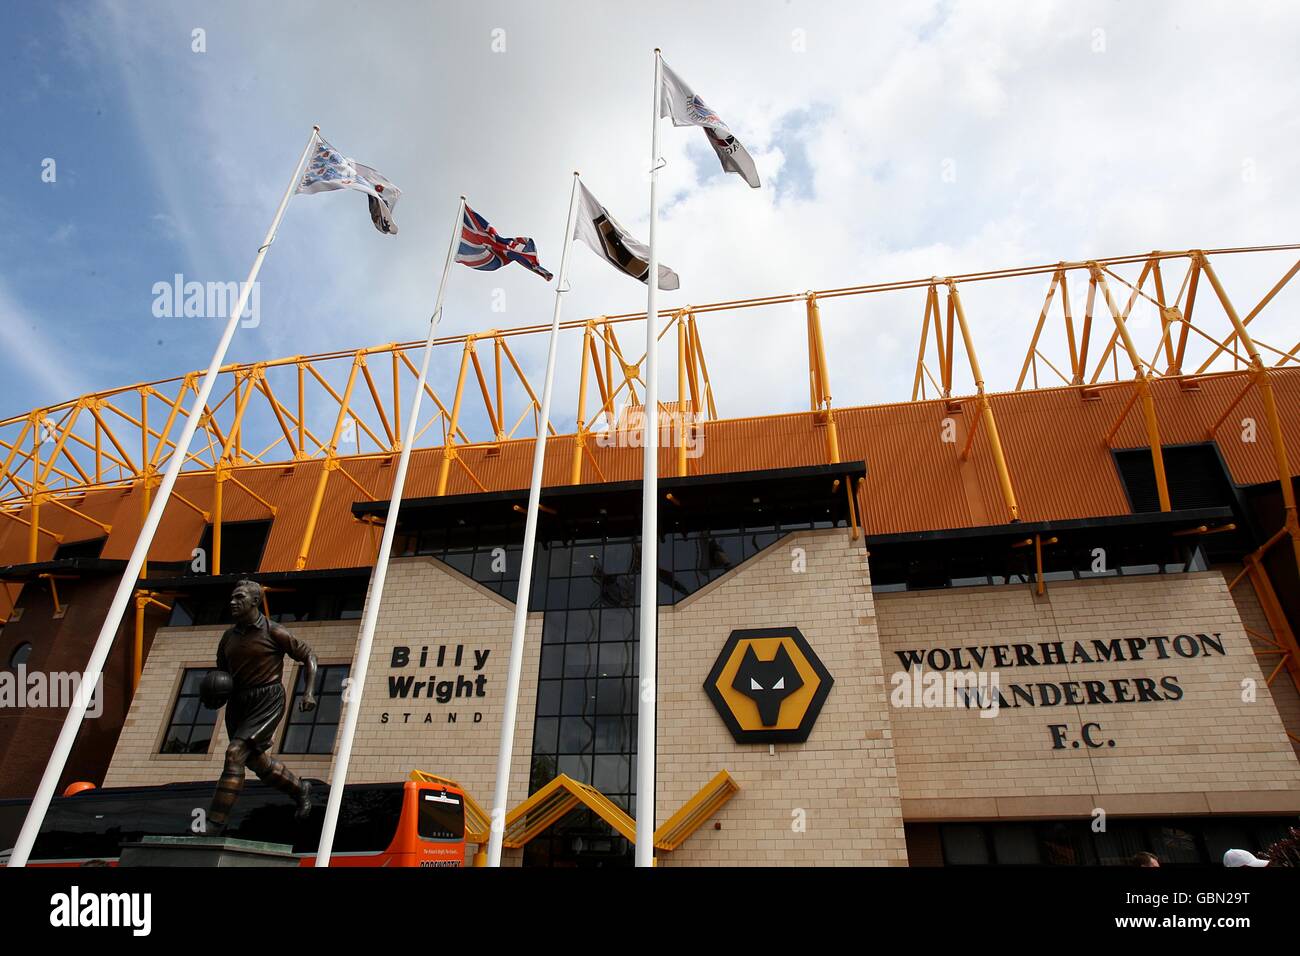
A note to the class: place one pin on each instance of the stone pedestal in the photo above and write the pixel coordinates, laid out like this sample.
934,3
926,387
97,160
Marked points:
203,851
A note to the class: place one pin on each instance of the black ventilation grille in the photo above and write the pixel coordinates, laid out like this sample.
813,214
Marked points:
1194,473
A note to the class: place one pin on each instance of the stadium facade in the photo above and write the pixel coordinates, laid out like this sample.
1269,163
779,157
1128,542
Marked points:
1043,625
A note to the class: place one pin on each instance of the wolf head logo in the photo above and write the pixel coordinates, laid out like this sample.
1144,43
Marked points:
767,683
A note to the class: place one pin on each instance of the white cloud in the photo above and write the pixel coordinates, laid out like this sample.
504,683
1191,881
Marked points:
1058,151
33,356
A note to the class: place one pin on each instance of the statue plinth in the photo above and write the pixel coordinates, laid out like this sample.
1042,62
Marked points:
205,851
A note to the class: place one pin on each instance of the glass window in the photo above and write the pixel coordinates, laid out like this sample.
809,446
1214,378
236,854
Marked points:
189,731
314,732
1015,843
964,843
441,816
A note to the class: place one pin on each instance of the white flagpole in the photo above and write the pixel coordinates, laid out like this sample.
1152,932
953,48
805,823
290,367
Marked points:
104,643
505,751
357,679
645,737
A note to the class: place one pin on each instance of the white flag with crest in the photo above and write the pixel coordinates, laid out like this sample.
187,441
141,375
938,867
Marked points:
687,109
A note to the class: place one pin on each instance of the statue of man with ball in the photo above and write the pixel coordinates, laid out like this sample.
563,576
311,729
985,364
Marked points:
248,681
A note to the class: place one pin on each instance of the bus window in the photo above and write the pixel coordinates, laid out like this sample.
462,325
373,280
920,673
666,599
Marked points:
441,817
94,824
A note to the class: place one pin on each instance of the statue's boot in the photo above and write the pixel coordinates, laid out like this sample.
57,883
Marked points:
275,774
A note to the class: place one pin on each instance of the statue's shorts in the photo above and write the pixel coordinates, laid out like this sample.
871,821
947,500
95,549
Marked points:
253,714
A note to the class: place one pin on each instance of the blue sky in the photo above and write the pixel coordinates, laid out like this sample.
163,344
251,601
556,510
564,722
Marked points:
171,161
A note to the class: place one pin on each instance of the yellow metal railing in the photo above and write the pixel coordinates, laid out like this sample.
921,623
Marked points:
695,812
563,795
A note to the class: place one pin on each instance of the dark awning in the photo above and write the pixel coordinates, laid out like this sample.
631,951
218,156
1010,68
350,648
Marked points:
781,495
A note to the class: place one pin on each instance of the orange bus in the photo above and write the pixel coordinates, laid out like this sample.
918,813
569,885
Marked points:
380,824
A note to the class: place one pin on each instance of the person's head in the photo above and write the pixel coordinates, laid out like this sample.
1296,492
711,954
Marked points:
1242,858
1145,859
246,602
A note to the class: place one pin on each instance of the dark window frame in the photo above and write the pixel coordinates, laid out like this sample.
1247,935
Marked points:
296,719
188,690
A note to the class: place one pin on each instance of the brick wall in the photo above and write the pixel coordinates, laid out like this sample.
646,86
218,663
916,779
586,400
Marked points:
426,604
841,781
137,762
866,766
1208,752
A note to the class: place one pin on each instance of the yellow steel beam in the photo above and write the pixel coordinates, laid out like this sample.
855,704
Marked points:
1263,382
523,380
682,389
1268,297
264,387
1038,329
986,409
945,357
331,461
496,367
822,380
106,528
379,405
33,531
1194,277
63,466
1144,390
219,476
580,431
449,445
23,521
487,397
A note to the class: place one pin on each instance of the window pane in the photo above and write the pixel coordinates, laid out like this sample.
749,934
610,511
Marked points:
576,766
322,739
544,734
552,660
296,739
548,698
611,773
575,734
578,660
614,734
577,697
964,844
200,739
615,660
328,709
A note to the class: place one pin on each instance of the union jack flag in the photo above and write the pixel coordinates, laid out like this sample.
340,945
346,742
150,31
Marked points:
481,248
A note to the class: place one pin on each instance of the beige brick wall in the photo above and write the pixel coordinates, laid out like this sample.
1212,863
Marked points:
1207,752
137,762
428,604
866,766
842,778
425,604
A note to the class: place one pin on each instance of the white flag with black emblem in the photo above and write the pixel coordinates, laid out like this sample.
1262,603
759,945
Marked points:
609,240
686,108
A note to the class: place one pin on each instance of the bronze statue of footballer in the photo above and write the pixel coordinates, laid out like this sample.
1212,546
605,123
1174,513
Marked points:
248,680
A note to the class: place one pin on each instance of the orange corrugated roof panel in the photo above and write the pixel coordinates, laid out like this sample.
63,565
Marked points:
1054,441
